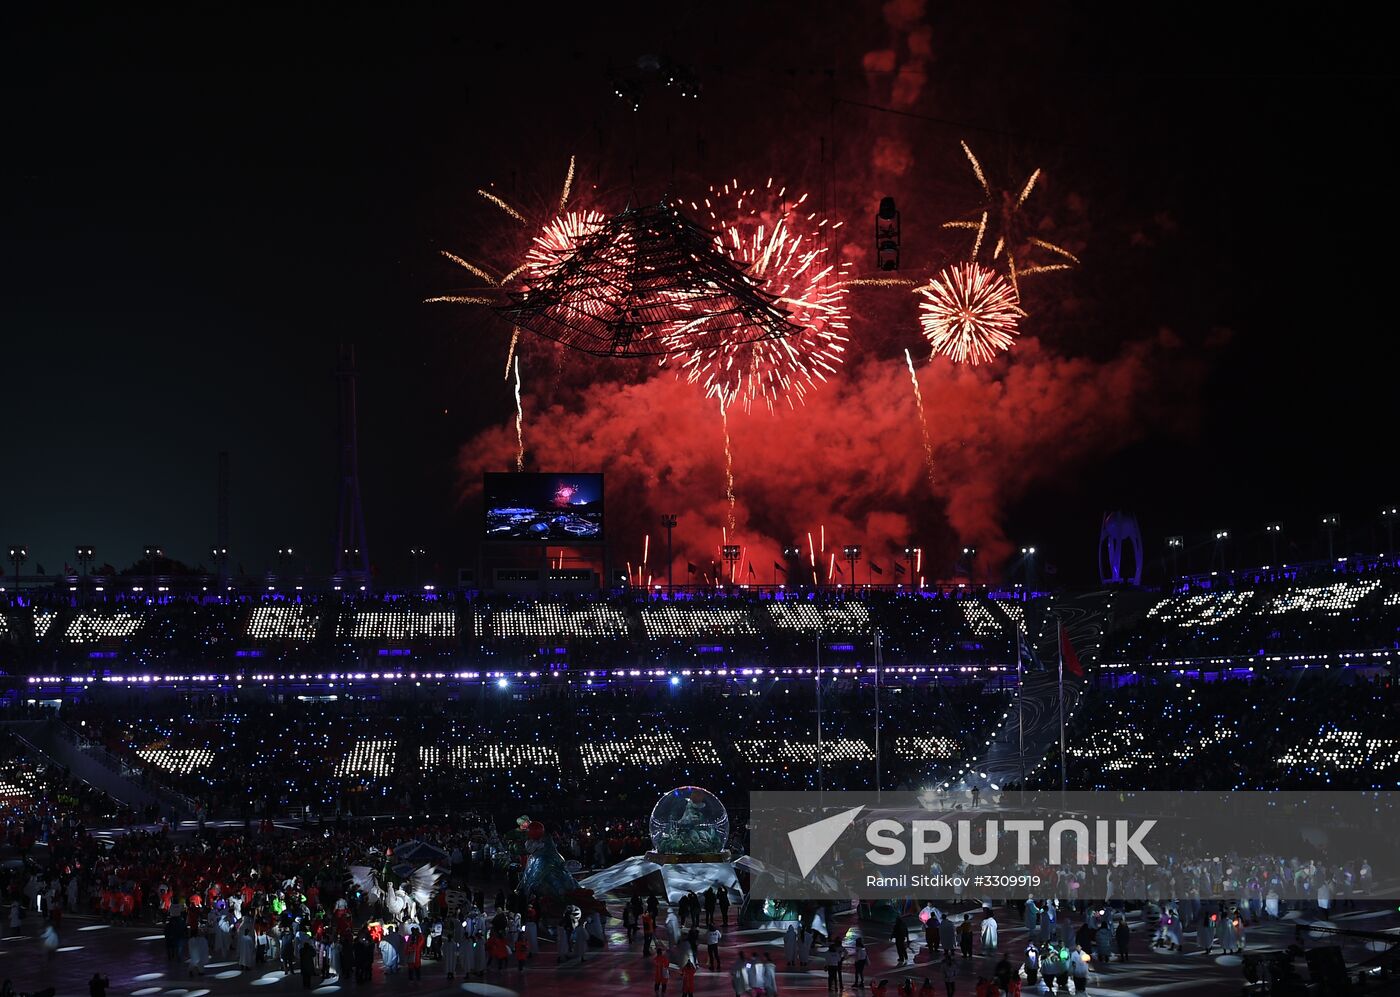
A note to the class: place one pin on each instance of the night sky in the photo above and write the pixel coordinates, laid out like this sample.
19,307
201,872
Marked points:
199,206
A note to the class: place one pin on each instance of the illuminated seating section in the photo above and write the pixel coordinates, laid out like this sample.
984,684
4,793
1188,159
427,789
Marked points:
18,781
92,628
648,750
1324,730
494,757
1201,609
397,624
43,619
980,619
1273,622
282,622
1331,600
781,751
1336,752
927,747
554,621
677,620
1014,610
372,758
178,761
843,618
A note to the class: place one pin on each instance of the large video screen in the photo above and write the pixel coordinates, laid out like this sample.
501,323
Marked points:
544,508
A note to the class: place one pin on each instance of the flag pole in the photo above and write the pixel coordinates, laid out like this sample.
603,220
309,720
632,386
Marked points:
877,717
1060,643
1020,709
821,772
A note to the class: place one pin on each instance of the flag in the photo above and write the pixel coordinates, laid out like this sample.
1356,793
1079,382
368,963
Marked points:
1029,659
751,569
838,569
1067,655
876,568
898,568
779,567
690,568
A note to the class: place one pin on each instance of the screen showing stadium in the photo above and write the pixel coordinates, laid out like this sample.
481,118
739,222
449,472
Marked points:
545,508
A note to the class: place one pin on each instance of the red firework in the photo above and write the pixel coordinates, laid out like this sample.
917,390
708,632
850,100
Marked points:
969,313
782,249
558,239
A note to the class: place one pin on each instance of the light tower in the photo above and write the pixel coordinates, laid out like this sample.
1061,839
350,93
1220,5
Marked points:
730,553
1273,530
851,552
668,520
1330,522
351,547
18,554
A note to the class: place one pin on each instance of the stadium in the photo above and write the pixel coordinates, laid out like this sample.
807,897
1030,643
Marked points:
736,500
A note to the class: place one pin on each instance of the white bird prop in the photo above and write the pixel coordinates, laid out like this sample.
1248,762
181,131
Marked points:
413,894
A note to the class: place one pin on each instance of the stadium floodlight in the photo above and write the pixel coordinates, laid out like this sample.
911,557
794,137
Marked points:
18,554
1388,517
1330,522
851,552
731,554
1176,543
85,555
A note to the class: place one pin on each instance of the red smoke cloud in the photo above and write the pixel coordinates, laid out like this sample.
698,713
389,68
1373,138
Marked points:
851,459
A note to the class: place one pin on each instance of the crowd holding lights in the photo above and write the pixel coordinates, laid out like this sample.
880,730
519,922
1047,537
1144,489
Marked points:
926,747
397,624
845,618
1333,600
673,620
292,621
1201,609
761,751
980,619
488,756
373,758
553,620
1246,732
1014,611
655,748
93,627
179,761
43,619
1334,752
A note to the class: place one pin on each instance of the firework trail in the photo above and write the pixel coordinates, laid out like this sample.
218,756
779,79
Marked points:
781,249
970,313
458,299
500,203
568,185
519,422
510,353
923,421
728,465
882,282
1002,210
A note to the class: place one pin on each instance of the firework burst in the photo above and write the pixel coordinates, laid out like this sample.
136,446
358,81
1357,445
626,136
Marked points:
781,245
1002,230
969,313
